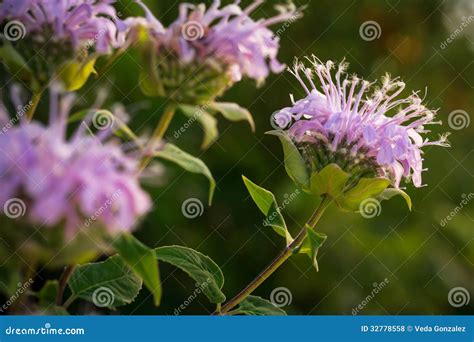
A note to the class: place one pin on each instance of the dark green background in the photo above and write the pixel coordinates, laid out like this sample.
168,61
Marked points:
421,259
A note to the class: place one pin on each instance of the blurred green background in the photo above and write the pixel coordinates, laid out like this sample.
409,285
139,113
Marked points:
421,259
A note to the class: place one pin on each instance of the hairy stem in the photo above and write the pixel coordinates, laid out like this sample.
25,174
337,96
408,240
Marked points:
279,260
158,134
63,282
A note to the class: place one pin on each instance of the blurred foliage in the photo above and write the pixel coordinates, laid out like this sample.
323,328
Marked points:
421,259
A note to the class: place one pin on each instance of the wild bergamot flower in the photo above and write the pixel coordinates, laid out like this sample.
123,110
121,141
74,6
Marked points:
79,183
206,50
44,38
378,136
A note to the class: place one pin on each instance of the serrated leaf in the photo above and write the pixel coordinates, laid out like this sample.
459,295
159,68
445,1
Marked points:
365,188
206,120
188,162
257,306
390,192
108,283
142,261
268,205
330,180
294,162
201,268
233,112
311,245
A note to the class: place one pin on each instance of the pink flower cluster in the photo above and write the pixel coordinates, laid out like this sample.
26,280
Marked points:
227,35
339,116
82,181
80,22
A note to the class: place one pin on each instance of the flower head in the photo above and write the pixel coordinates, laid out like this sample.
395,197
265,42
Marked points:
338,122
58,38
87,180
225,39
73,23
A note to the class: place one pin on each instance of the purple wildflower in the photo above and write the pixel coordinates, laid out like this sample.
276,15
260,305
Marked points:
79,182
338,119
79,23
226,35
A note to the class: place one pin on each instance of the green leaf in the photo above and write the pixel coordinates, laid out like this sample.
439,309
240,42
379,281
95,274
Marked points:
294,162
47,294
108,283
268,205
366,188
74,74
10,275
16,65
311,245
257,306
233,112
390,192
192,164
201,268
142,261
207,121
330,180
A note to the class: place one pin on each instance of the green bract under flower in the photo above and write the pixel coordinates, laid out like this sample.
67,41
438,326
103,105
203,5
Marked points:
319,173
192,83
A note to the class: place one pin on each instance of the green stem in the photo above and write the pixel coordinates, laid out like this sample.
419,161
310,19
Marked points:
69,301
68,270
279,260
35,99
158,134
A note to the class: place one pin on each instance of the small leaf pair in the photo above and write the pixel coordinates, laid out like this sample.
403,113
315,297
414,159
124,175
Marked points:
266,202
